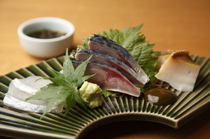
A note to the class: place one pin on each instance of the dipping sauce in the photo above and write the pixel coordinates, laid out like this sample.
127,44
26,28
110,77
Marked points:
160,96
45,34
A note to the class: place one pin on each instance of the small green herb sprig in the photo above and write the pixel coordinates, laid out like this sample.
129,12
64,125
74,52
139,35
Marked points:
64,87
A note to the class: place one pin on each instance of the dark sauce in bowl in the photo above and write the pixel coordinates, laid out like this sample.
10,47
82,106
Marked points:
160,96
46,34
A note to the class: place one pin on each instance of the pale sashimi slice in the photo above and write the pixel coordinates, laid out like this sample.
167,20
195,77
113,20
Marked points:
22,105
24,88
163,56
179,71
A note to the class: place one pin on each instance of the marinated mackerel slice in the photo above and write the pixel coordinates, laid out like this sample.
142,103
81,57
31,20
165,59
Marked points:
109,78
107,46
102,58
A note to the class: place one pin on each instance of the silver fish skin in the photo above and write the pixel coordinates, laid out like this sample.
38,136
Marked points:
105,45
102,58
109,78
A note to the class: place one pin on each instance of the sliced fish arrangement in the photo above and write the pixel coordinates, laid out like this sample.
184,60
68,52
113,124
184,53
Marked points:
109,78
107,46
115,68
102,58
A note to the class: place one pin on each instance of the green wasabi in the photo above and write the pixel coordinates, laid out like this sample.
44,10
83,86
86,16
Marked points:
91,94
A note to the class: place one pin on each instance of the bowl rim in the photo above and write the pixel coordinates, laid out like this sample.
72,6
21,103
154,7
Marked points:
25,24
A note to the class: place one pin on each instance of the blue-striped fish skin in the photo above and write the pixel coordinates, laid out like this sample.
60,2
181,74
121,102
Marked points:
105,45
109,78
102,58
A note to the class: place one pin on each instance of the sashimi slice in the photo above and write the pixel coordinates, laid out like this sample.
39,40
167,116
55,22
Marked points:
102,58
22,105
107,46
24,88
20,89
109,78
180,71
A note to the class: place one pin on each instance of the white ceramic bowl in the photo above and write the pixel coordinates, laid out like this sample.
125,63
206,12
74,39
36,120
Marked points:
46,48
